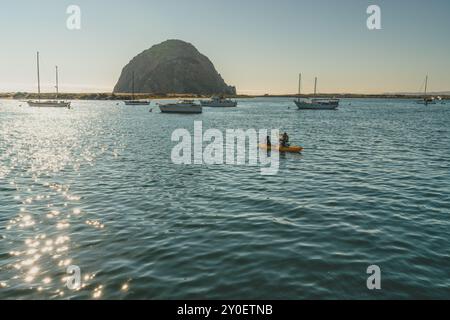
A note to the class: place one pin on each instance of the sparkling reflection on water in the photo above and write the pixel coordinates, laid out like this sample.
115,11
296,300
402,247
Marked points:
94,187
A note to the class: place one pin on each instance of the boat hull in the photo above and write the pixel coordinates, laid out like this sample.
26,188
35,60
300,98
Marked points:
186,109
317,105
212,104
49,104
292,149
137,103
426,102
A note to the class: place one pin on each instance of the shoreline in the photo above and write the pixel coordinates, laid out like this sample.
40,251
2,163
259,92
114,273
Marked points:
124,96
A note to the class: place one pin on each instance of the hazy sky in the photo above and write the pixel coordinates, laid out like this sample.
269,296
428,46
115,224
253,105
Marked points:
258,45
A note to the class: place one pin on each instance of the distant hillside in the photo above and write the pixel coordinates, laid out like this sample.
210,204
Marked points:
172,67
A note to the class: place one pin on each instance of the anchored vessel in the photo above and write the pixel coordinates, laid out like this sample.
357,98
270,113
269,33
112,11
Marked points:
47,103
184,106
315,103
426,99
219,102
135,102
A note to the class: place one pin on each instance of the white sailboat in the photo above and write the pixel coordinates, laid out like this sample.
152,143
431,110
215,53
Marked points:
47,103
133,101
315,103
426,100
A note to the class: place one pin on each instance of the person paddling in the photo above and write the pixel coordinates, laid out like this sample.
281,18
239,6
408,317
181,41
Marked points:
284,140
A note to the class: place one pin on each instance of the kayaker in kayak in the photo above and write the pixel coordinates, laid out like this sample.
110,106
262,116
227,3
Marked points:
284,140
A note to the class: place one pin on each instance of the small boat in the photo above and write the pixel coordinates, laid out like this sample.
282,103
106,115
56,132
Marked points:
315,103
133,101
219,102
290,149
184,106
47,103
137,103
426,100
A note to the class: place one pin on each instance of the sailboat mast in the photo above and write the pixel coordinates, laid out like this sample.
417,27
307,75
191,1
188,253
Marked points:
133,86
426,85
315,86
57,87
299,84
38,77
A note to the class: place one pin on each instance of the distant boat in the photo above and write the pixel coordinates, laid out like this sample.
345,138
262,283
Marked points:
314,103
442,101
219,102
47,103
185,106
426,99
135,102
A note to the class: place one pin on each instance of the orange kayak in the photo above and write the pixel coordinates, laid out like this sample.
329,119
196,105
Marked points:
291,149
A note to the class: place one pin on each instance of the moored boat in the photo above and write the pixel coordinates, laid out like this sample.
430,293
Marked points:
440,99
219,102
47,103
137,102
315,103
184,106
426,99
133,101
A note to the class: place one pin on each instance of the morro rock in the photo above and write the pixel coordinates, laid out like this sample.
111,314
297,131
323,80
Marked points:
172,67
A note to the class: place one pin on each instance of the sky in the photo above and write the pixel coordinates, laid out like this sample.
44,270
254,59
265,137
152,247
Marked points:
260,46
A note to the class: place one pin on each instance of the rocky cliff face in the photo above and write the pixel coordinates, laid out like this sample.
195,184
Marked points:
173,66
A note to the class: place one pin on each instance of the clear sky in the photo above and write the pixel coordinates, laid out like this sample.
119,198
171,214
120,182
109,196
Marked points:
259,46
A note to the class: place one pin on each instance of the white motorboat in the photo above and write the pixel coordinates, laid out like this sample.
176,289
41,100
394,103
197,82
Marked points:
315,103
135,102
184,106
47,103
219,102
426,100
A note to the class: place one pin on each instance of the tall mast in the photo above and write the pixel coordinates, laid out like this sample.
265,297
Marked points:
426,85
133,85
315,86
299,84
38,76
57,88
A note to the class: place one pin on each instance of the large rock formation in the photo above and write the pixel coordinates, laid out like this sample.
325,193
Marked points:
173,66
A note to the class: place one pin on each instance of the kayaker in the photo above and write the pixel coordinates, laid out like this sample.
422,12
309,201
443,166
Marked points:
284,140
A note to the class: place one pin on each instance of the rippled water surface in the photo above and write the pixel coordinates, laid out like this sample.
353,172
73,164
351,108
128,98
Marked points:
95,187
